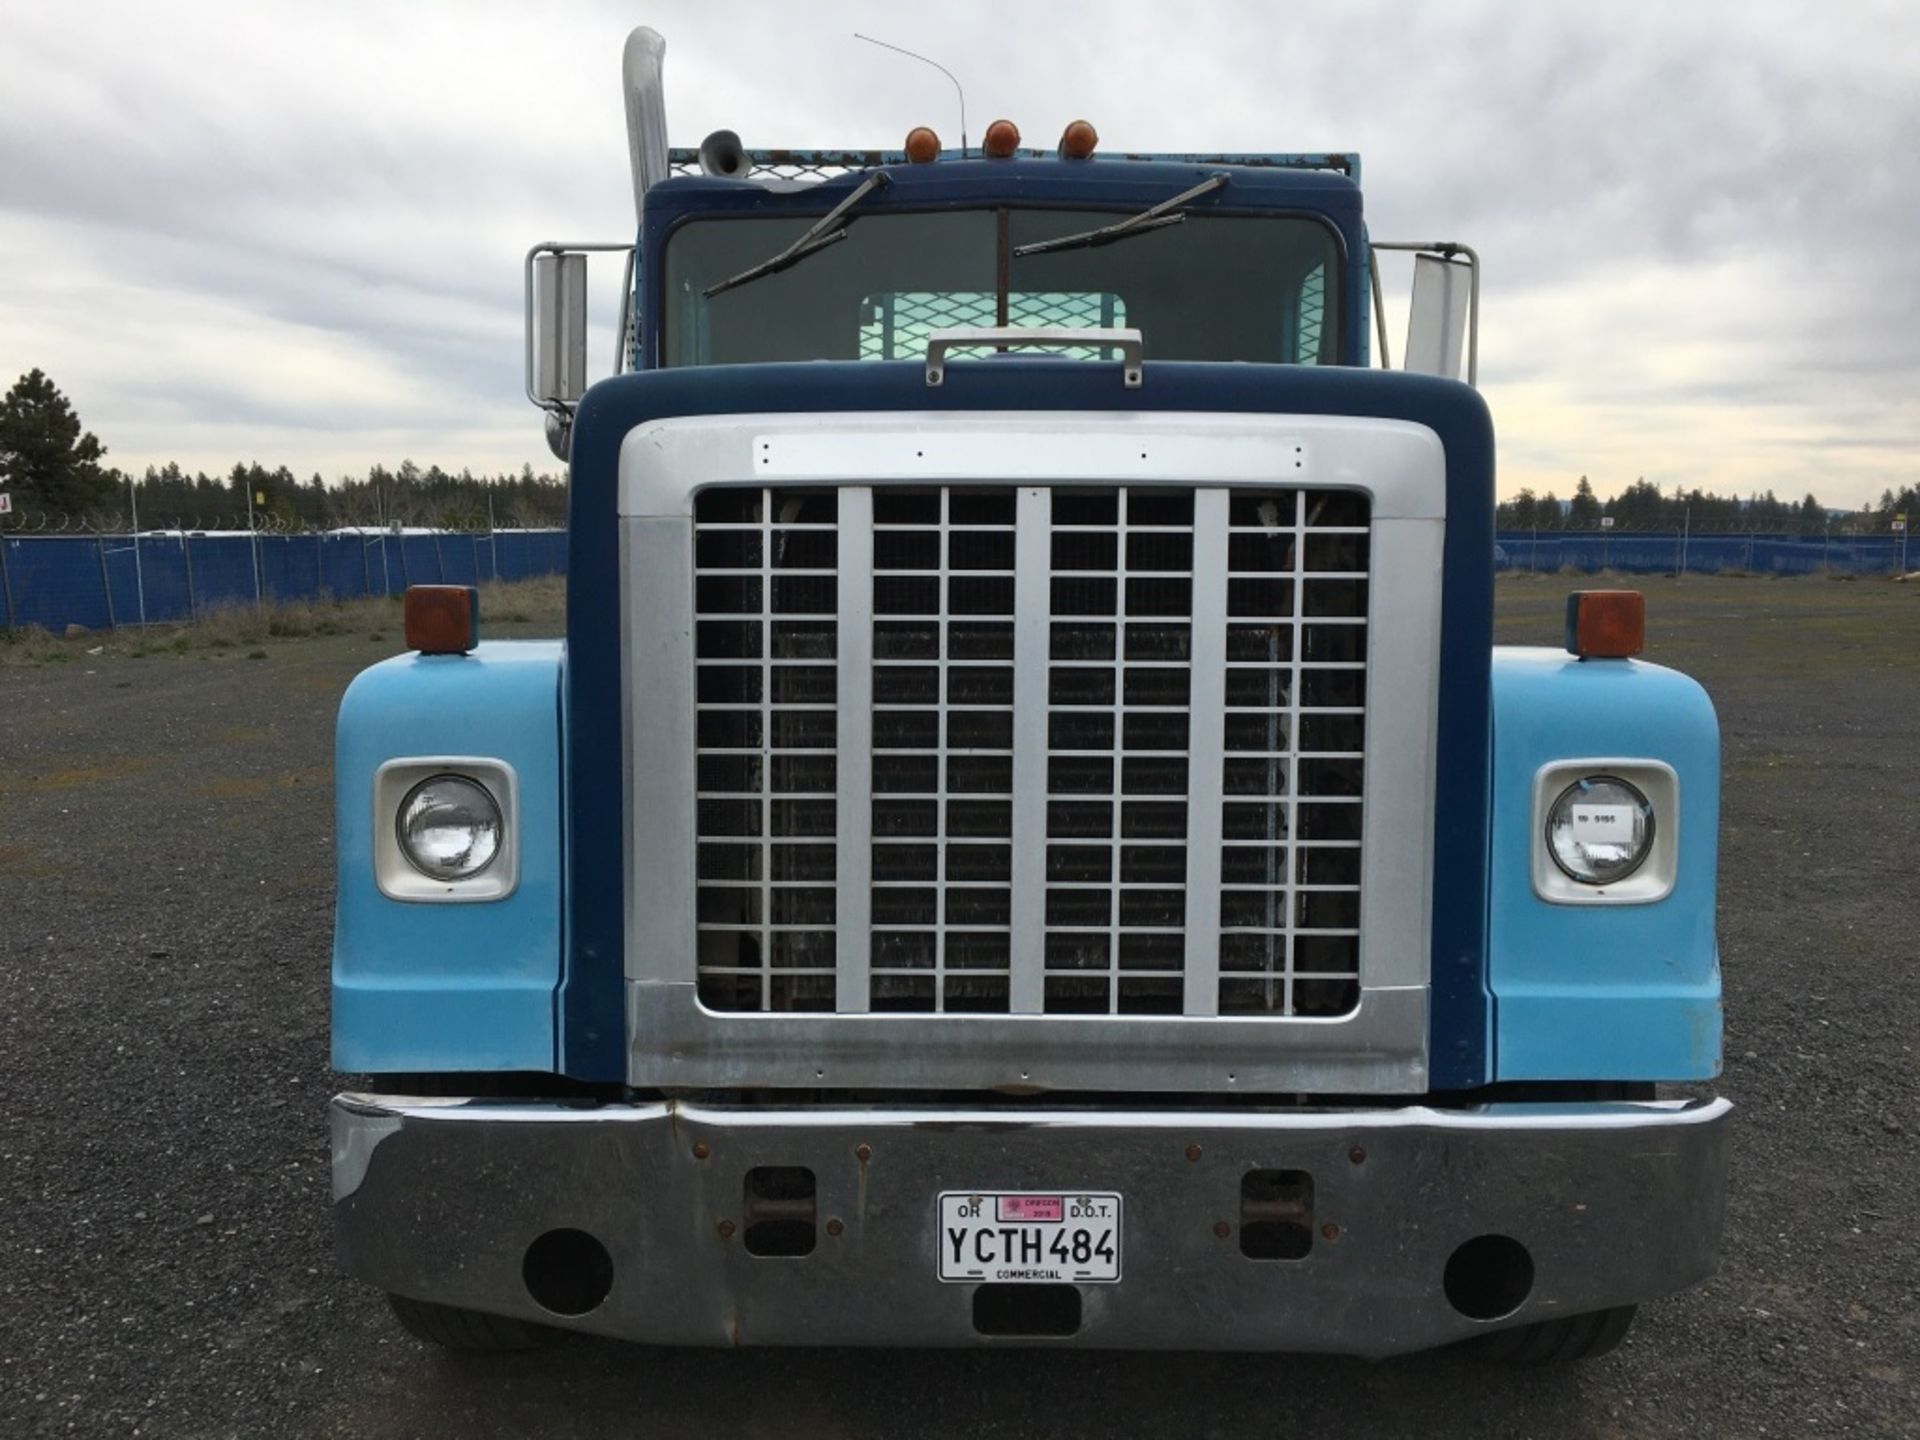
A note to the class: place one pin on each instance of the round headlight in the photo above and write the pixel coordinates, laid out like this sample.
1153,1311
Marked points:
449,827
1600,830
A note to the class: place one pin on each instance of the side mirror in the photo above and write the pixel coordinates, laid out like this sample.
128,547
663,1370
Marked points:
556,338
559,324
1444,315
1437,318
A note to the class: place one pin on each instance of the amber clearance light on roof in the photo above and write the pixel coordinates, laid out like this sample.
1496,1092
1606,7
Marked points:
1002,139
1078,140
1606,624
923,146
442,619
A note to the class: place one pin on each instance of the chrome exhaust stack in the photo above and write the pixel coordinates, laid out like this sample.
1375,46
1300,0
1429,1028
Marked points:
640,67
555,281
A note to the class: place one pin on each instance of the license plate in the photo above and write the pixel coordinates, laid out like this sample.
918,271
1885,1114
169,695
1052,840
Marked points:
1029,1237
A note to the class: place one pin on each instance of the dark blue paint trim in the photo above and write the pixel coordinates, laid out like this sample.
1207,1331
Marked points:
964,184
1023,182
592,1006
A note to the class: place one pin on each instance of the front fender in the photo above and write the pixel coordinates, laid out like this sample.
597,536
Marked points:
423,984
1602,991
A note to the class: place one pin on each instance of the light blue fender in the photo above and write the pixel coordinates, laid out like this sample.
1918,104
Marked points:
430,985
1602,992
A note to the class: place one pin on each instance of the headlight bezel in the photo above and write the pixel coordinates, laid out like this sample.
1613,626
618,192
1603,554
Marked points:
1652,878
397,874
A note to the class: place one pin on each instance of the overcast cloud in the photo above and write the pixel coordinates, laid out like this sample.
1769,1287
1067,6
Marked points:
292,232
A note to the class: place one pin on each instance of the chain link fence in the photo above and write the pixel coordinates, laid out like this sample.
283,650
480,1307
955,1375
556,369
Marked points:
102,581
1641,552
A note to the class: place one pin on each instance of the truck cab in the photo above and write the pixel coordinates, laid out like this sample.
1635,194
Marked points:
1027,837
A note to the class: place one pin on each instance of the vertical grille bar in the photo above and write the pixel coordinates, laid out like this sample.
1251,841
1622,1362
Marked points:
854,805
1290,832
1207,731
1032,609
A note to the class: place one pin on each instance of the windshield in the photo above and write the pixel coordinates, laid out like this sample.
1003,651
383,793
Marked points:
1213,287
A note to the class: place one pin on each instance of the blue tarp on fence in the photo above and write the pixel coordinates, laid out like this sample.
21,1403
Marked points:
92,580
1641,552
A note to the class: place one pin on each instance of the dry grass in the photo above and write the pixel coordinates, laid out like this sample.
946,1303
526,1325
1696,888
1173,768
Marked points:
1811,626
248,629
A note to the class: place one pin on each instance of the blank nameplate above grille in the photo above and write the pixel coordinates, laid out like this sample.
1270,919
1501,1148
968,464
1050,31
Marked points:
1061,749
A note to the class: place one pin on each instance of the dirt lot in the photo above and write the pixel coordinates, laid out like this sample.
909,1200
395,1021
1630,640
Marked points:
165,1265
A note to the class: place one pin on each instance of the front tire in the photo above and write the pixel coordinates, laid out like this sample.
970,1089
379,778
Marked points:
471,1331
1557,1342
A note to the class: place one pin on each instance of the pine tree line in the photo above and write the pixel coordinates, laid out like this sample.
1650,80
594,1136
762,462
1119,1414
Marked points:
51,470
1643,506
49,464
406,495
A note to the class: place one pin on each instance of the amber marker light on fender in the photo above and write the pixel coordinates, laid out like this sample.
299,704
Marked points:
442,619
1606,624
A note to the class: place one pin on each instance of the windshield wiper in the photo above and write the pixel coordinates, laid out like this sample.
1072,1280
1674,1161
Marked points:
818,236
1167,212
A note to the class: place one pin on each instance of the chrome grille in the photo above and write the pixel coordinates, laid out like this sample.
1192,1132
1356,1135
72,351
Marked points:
1113,740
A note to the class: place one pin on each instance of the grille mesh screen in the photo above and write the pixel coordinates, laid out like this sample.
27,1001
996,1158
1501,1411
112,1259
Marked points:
1119,647
1290,776
897,323
766,593
942,749
1276,580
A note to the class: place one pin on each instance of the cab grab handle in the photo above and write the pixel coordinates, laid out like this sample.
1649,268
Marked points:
1041,337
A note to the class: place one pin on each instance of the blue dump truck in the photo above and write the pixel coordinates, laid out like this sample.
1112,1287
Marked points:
1027,838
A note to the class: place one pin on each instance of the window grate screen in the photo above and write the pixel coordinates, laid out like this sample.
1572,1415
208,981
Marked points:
895,325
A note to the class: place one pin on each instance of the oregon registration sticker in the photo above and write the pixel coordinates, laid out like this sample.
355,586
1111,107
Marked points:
1029,1238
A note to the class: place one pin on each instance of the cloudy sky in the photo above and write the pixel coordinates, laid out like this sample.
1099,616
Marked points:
292,232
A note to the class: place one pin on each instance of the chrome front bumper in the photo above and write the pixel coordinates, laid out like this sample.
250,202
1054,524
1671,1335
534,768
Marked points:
1614,1203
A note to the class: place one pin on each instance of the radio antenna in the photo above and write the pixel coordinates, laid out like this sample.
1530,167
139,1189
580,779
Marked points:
916,55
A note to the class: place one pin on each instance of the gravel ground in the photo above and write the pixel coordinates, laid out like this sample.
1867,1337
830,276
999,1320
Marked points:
165,1262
